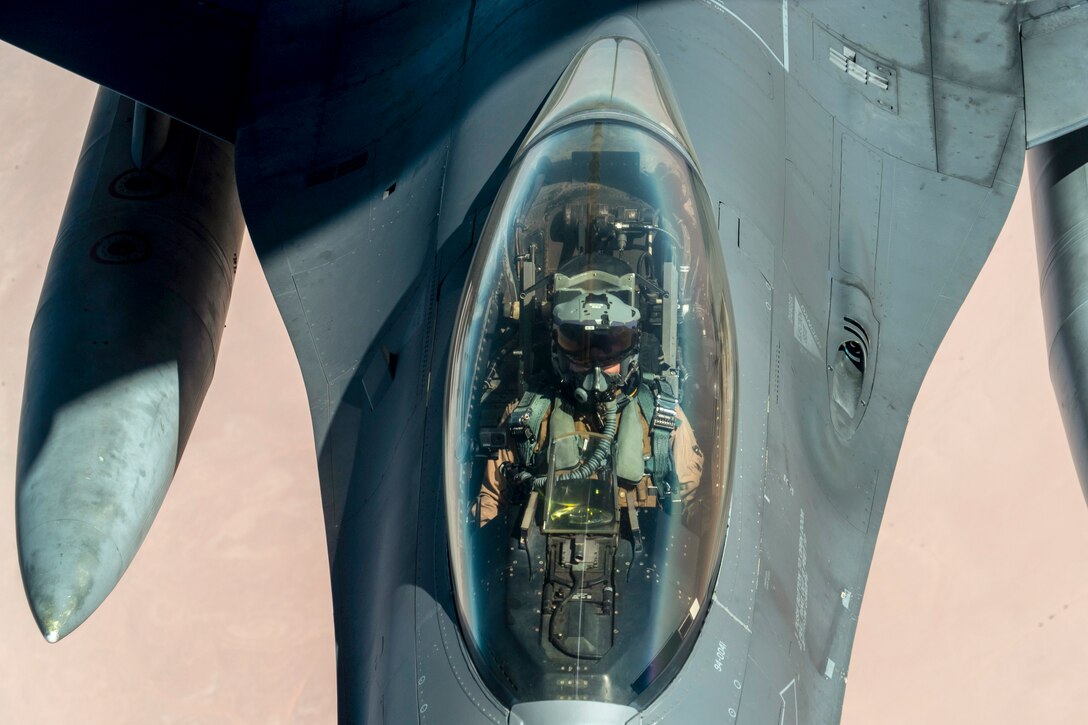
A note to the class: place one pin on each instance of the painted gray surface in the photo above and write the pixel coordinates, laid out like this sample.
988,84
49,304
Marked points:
373,143
1055,48
121,353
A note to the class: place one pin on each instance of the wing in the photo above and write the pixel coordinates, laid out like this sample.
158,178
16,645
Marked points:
187,59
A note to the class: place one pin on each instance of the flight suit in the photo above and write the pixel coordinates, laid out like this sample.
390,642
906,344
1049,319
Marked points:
687,461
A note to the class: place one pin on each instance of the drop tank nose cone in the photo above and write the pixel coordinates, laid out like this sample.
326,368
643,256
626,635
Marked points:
92,474
68,567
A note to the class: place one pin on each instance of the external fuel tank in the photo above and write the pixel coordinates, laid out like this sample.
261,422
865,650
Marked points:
1059,193
122,350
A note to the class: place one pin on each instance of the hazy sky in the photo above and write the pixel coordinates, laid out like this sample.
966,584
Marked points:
976,609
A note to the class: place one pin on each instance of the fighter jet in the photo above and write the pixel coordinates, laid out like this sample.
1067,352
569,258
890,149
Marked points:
610,317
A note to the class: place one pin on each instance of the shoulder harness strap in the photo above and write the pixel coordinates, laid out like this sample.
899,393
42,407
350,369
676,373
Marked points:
657,400
524,425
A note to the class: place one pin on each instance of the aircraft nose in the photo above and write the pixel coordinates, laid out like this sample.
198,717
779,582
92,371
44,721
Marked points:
69,567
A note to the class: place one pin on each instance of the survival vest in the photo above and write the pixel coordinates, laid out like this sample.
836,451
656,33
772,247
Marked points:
657,401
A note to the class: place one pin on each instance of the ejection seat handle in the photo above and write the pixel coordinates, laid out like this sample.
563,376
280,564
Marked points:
527,519
526,524
632,519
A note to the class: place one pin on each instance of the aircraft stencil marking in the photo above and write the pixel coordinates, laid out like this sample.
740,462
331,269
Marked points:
719,656
803,330
802,585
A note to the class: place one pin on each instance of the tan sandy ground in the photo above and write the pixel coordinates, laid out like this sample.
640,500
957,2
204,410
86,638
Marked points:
976,611
977,603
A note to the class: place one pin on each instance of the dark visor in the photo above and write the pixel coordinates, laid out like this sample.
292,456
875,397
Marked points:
600,345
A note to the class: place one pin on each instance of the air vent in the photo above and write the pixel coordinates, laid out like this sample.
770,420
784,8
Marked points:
321,176
848,370
851,357
856,347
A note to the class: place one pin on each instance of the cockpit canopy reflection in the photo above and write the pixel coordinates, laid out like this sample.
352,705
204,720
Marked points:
590,420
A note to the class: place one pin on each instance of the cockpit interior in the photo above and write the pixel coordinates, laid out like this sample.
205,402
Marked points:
589,419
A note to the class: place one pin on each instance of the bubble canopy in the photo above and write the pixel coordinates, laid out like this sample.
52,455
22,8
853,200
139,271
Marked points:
589,416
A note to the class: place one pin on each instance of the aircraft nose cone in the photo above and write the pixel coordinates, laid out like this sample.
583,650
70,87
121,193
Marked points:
68,569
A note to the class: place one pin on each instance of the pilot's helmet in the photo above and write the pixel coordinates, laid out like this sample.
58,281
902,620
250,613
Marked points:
595,328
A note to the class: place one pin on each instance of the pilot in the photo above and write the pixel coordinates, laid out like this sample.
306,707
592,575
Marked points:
597,387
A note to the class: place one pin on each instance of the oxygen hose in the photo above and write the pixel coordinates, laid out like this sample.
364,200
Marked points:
600,451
